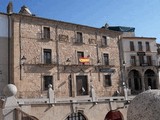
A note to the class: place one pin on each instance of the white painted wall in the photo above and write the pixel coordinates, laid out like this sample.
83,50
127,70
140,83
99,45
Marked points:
3,25
3,51
128,53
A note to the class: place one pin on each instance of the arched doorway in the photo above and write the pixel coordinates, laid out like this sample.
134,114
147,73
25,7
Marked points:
134,82
114,115
76,116
150,79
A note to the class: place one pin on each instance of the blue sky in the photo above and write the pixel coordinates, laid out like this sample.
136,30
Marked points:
144,15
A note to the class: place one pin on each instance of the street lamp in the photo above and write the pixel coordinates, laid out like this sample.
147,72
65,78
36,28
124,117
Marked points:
124,82
23,59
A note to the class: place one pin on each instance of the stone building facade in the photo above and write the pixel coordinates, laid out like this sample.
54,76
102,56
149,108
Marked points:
78,64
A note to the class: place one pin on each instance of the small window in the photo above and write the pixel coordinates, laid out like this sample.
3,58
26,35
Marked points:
79,38
104,41
46,32
80,55
47,80
47,56
107,80
147,46
131,46
149,60
133,60
140,48
106,59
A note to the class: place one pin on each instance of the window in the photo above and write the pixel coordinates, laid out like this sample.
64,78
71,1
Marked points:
149,60
133,60
140,48
147,46
76,116
80,55
107,80
46,32
82,85
47,56
79,37
106,59
47,80
131,46
104,41
141,60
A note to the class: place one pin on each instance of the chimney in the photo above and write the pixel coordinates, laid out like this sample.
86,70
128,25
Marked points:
10,8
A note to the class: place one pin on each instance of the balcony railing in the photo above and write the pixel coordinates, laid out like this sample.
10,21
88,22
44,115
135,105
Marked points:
145,63
78,41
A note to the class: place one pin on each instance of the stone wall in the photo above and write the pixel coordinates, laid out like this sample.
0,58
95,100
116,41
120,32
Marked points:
27,42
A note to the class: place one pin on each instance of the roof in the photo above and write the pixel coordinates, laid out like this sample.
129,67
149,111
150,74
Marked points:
122,28
135,38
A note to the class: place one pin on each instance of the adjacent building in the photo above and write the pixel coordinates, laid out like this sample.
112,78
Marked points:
138,60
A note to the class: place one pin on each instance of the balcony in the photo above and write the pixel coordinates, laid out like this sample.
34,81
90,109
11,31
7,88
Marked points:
78,41
41,63
46,36
144,64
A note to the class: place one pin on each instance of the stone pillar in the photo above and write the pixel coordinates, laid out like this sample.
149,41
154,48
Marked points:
143,83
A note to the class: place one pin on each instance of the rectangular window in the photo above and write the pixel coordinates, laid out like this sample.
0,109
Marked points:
46,81
140,48
141,60
149,60
79,37
147,46
133,60
82,85
131,46
107,80
47,56
104,41
106,59
46,32
80,55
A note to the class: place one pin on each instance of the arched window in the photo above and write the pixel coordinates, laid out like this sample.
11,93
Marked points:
76,116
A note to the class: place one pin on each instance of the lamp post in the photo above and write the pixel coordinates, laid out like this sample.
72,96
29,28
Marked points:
23,59
124,82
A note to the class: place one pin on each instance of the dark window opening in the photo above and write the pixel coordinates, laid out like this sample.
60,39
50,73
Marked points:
82,85
104,41
76,116
47,80
149,60
107,80
147,46
79,37
46,32
80,55
141,60
47,56
106,59
131,46
140,47
133,60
